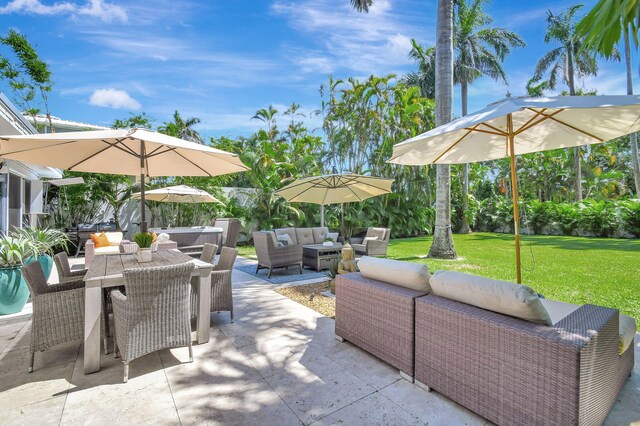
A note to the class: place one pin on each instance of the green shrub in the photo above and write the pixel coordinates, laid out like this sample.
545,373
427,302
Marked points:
14,250
538,214
598,217
630,216
567,217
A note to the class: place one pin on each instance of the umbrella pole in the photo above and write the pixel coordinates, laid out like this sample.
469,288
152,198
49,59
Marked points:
514,194
143,218
321,214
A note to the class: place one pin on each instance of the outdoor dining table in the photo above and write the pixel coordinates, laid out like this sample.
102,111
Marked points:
106,271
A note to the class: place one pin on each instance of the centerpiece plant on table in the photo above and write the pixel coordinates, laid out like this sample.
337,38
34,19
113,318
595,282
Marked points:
144,241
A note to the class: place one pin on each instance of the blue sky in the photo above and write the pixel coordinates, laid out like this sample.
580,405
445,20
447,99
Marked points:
222,60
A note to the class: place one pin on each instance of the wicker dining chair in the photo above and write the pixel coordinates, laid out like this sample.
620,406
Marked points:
208,252
208,255
58,311
221,292
155,312
66,275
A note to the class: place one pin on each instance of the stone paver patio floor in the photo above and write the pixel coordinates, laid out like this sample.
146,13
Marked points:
277,364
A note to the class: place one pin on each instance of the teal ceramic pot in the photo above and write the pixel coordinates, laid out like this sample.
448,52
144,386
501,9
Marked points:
13,290
46,262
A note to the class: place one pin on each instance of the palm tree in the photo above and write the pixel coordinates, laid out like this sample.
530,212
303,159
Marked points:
603,26
480,52
566,61
181,128
425,77
635,161
442,246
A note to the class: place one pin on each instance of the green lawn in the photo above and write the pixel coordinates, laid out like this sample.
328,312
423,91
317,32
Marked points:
601,271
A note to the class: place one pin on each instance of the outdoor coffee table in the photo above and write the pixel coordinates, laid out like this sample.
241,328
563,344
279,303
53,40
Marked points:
318,257
106,271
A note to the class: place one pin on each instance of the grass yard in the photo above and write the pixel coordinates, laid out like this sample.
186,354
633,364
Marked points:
601,271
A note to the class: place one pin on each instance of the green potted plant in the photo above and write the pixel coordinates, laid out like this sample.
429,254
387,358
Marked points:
144,241
44,241
14,251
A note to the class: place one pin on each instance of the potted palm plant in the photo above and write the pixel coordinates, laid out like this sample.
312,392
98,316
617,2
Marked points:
144,241
44,241
14,251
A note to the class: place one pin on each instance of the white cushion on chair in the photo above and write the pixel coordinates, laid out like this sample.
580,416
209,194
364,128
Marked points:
404,274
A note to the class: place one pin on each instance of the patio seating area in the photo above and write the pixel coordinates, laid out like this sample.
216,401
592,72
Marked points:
280,362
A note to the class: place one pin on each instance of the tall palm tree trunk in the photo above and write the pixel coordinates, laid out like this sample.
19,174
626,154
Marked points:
577,163
464,225
635,161
442,246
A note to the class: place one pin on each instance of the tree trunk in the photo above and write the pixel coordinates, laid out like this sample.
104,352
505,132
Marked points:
442,246
577,164
635,161
464,224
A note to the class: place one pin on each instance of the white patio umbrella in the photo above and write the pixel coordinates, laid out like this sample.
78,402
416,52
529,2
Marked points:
335,189
515,126
121,151
178,194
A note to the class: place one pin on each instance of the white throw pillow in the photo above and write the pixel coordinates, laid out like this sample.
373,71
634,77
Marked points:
506,298
333,236
285,239
364,241
404,274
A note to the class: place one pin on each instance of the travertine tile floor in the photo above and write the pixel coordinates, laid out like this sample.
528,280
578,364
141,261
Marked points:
277,364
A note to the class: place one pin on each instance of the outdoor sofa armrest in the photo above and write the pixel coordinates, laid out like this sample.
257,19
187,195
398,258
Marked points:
377,248
287,255
63,303
66,285
512,371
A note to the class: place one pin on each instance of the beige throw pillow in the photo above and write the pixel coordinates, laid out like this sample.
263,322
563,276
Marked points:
503,297
404,274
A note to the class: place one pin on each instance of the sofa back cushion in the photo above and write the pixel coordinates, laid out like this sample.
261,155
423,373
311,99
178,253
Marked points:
304,236
415,276
115,238
319,234
503,297
378,233
291,232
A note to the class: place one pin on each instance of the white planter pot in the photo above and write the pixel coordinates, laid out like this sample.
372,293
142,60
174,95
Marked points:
144,255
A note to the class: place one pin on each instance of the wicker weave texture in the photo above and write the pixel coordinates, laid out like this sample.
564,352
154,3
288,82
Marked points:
515,372
155,312
58,309
64,271
270,256
378,318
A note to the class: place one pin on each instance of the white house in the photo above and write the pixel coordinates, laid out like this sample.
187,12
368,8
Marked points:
21,185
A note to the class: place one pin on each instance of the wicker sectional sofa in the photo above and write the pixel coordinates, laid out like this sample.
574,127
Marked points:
508,370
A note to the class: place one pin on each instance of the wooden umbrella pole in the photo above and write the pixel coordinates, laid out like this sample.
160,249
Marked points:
514,194
321,214
143,218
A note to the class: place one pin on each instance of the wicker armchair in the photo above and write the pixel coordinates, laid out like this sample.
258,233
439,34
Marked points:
155,312
377,247
58,311
270,256
66,275
221,294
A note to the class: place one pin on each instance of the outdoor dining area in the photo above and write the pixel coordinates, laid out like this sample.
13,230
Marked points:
173,326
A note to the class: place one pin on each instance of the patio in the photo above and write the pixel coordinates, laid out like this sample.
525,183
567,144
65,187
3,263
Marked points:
279,363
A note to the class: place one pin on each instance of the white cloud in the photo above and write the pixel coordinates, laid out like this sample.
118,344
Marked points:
107,12
377,42
113,98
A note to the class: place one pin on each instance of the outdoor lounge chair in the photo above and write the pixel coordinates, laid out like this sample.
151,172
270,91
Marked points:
374,243
155,312
271,256
58,311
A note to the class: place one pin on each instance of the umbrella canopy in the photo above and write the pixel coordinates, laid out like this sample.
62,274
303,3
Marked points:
335,189
178,194
121,151
522,125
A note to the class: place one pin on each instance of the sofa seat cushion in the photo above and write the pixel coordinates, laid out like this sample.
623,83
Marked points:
107,250
291,232
319,234
404,274
359,248
304,236
626,325
503,297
